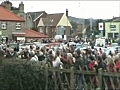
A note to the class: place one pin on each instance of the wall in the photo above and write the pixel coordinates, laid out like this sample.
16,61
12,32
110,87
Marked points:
42,16
67,31
11,27
107,28
28,22
64,21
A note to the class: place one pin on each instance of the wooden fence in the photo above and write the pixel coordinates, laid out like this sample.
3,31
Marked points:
71,79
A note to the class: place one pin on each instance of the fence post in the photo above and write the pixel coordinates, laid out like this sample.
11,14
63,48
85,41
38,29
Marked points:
46,72
100,79
72,78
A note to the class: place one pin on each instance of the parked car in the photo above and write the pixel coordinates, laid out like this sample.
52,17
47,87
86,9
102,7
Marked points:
13,45
114,44
37,43
52,44
24,45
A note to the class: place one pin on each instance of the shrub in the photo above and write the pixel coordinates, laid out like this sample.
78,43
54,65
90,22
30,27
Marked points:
21,75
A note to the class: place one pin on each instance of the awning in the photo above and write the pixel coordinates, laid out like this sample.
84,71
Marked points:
18,34
20,38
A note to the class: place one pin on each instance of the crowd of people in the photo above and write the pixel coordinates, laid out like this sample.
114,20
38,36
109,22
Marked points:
66,57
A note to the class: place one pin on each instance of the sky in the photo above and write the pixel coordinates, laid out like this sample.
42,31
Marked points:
80,9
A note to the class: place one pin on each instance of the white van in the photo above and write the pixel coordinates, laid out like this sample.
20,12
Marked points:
100,42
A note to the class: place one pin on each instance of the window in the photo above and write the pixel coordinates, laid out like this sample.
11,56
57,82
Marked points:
41,30
4,26
18,26
116,35
113,27
110,35
47,30
60,30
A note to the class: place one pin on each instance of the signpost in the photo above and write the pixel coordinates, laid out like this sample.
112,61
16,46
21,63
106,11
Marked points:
101,28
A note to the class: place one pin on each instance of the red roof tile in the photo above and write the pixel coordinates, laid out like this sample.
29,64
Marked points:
34,34
6,15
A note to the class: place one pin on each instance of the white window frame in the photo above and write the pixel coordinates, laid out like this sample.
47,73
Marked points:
3,26
113,29
18,26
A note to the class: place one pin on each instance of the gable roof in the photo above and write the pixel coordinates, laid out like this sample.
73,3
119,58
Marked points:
115,19
46,21
52,19
7,15
35,15
40,23
34,34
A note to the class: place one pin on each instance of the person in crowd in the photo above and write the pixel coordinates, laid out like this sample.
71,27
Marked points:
91,59
100,50
57,62
33,56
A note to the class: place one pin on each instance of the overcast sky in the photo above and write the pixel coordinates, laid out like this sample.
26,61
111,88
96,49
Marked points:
81,9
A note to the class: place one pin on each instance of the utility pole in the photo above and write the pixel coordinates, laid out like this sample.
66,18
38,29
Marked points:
91,27
119,19
91,24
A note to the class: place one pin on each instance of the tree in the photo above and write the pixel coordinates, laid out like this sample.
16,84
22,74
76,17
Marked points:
74,25
97,26
88,31
35,29
80,34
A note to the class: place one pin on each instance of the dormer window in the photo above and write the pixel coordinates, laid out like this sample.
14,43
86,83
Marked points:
18,26
51,20
4,26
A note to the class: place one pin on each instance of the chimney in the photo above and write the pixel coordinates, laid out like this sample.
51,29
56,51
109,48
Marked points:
67,12
21,7
7,4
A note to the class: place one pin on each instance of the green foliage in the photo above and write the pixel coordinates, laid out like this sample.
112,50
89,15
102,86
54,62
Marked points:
80,35
35,29
21,75
88,31
74,25
87,21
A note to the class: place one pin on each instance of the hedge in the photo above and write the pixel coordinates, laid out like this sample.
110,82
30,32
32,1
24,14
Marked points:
21,75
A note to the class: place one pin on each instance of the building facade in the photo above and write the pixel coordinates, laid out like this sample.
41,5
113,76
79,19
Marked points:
9,28
53,23
112,28
10,23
